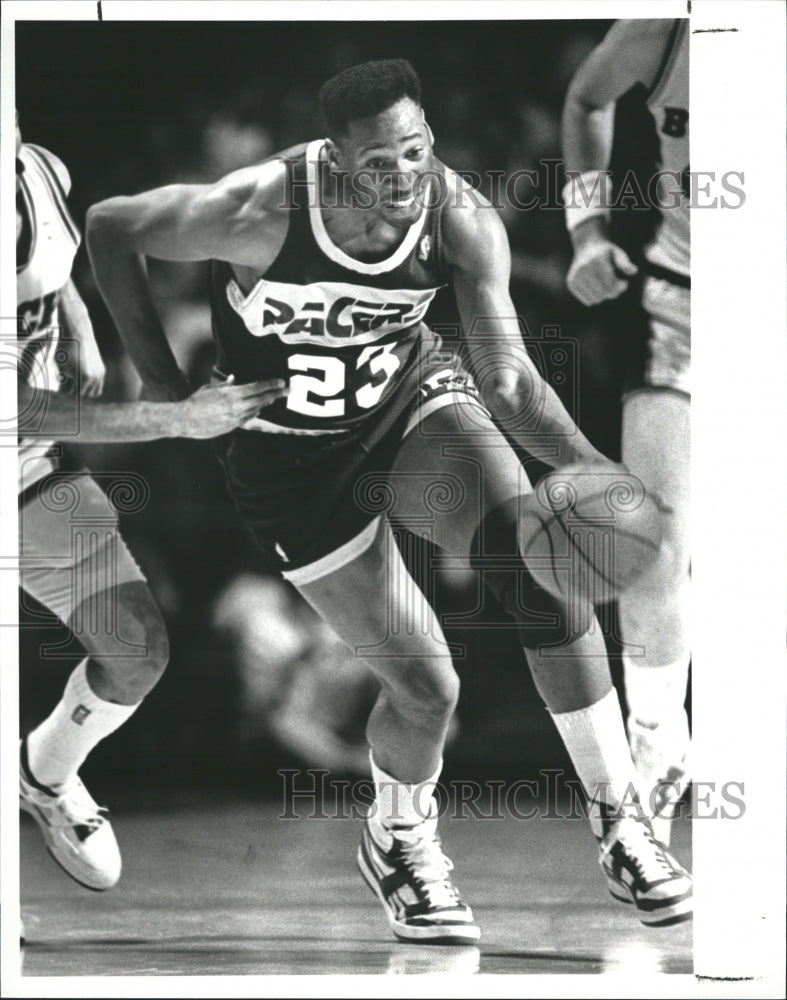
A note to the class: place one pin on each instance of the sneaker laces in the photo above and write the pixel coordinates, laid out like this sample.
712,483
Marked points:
73,806
650,857
423,855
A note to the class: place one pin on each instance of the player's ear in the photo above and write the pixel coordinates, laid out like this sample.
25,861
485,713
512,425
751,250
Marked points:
429,133
332,152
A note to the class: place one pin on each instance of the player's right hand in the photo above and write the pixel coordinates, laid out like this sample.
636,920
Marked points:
216,409
600,270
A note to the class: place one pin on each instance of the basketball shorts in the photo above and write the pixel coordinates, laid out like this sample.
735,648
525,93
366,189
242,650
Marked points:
70,547
663,360
303,497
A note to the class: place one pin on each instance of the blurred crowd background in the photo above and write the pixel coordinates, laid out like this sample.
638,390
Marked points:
256,682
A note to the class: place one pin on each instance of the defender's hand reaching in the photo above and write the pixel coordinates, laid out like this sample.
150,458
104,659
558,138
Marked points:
217,409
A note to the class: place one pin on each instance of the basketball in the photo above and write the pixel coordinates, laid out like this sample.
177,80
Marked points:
591,531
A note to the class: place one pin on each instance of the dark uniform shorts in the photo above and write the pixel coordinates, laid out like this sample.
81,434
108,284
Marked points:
302,495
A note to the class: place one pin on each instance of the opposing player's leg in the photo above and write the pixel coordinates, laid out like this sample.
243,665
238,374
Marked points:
653,611
365,593
84,574
457,456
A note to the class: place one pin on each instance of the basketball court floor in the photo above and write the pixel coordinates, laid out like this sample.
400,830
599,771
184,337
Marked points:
236,891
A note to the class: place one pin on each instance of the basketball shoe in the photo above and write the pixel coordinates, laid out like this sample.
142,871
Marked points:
76,831
408,872
661,757
640,870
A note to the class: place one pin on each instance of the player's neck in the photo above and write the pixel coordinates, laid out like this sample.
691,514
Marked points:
357,232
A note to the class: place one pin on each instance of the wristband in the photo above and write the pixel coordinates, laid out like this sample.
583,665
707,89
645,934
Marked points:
586,195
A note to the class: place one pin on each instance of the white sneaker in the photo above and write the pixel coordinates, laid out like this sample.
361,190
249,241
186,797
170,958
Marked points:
640,870
661,757
409,874
76,831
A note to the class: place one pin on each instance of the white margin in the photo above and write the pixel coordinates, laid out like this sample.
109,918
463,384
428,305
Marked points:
740,498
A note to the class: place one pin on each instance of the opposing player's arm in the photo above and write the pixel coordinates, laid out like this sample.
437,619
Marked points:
476,246
184,222
210,411
633,52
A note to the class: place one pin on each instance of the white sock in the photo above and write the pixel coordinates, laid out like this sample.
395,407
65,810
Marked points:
58,747
596,741
399,804
655,694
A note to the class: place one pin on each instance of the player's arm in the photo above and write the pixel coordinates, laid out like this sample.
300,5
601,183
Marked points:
210,411
476,245
631,53
87,364
184,222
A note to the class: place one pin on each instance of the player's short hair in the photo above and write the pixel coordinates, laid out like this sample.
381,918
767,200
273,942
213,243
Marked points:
367,90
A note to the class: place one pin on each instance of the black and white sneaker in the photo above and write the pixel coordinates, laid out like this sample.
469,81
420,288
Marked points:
76,830
408,872
640,870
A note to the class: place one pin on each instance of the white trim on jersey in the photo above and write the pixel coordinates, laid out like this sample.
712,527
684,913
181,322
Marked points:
55,187
32,221
326,244
39,280
55,164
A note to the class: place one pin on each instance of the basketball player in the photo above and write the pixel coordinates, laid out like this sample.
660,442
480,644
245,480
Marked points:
88,578
326,258
653,611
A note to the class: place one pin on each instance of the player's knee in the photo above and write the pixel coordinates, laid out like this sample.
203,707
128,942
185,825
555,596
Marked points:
134,654
157,648
146,670
665,576
425,689
134,676
442,693
541,618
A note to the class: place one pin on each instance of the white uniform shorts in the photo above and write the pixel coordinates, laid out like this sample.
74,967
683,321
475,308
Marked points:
70,547
667,360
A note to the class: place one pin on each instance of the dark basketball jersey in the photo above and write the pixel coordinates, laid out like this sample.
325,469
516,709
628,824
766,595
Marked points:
343,333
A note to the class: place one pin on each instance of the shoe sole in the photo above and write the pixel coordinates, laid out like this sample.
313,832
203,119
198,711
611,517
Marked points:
451,934
677,913
44,827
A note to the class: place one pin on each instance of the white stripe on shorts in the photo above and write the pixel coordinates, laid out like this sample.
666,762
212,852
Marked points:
335,560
